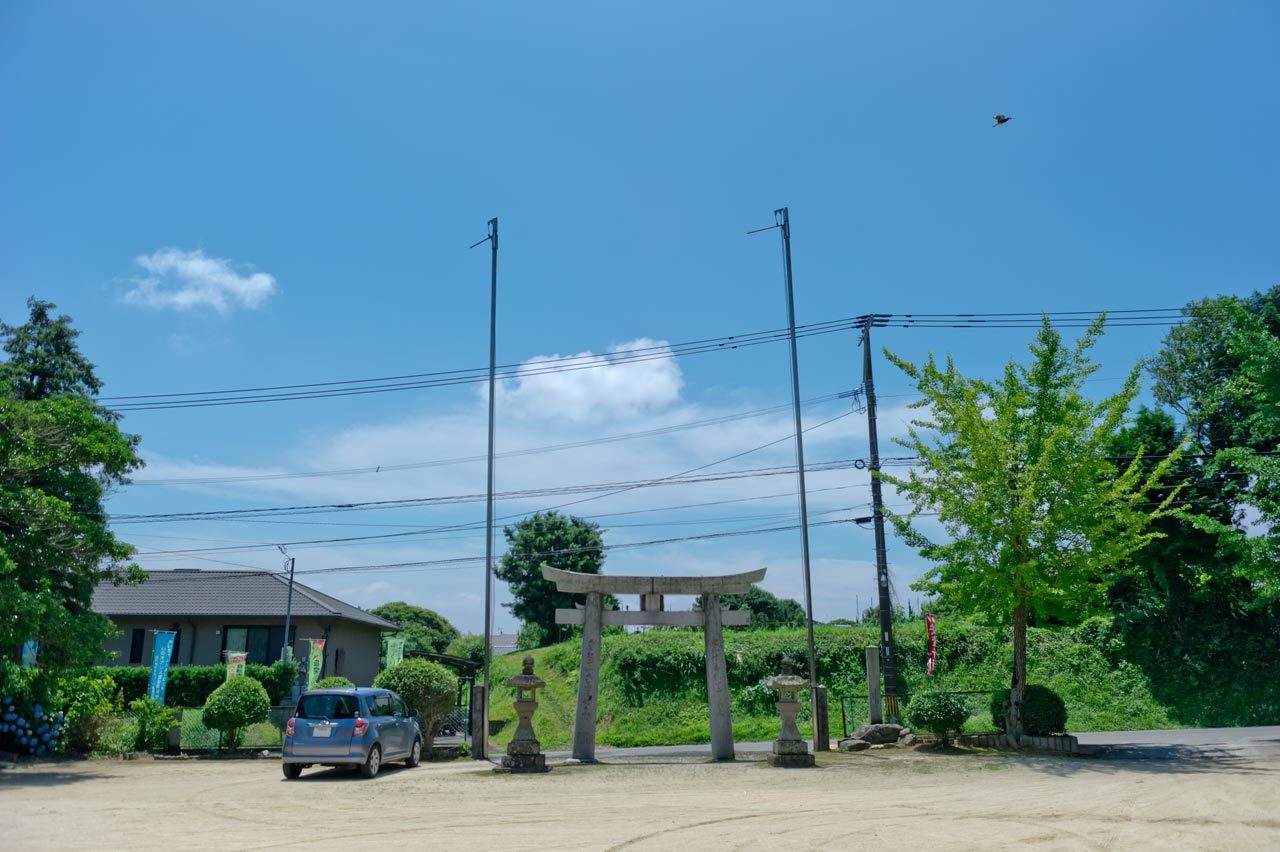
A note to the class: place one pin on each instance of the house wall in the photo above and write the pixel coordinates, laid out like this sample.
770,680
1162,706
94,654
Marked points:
352,649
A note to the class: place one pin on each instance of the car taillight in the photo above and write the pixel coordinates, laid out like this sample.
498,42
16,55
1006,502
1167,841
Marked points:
362,725
288,728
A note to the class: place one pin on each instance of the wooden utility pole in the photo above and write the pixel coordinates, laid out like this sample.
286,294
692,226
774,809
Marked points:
888,666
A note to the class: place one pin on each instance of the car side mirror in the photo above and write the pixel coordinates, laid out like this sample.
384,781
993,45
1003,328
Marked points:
413,713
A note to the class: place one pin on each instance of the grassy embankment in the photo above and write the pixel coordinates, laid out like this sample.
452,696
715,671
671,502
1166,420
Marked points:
653,688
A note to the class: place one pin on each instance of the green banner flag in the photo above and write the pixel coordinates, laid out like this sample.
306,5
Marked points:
315,662
393,650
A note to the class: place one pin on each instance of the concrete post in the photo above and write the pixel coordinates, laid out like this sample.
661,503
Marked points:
875,713
717,680
584,720
479,734
821,728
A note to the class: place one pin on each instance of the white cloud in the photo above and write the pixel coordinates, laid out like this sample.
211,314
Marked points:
185,280
606,390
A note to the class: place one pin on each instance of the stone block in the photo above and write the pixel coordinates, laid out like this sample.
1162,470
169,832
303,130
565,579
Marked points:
790,761
881,733
908,740
524,747
884,745
521,763
790,747
854,745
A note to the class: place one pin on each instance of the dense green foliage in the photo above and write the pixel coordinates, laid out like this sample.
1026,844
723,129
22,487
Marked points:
1037,515
469,647
429,687
90,700
235,705
60,453
1043,710
768,612
567,543
653,684
153,721
334,682
940,713
423,629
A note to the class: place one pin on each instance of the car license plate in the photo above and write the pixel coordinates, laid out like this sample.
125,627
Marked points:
321,731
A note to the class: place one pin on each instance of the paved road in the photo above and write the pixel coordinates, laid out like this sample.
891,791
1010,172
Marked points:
1174,744
1186,742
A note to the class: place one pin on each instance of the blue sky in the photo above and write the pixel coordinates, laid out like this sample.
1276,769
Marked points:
248,194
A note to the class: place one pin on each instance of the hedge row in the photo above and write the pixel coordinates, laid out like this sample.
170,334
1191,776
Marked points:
189,686
666,663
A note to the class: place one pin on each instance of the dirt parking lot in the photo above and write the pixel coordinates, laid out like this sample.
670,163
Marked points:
898,800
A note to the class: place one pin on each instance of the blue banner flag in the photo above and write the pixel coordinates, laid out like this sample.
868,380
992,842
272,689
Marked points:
161,651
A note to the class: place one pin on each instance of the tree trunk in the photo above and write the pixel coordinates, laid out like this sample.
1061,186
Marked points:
1018,689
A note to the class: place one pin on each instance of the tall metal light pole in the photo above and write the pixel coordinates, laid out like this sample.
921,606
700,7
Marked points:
481,742
782,221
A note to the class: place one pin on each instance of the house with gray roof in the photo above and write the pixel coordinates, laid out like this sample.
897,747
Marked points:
217,611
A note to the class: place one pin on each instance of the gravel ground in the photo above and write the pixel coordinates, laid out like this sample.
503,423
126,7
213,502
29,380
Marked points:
882,800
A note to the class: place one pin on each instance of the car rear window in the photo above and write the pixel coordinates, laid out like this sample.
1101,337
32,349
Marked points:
328,707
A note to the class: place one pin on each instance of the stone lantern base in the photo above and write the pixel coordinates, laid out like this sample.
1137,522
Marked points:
523,757
790,754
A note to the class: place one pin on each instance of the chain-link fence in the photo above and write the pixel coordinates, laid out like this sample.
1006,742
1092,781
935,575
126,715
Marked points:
262,735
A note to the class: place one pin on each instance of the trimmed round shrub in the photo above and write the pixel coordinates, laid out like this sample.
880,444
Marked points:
429,687
1043,711
333,682
237,704
937,712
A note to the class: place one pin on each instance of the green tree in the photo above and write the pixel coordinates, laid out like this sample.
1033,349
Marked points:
1220,370
424,629
234,706
768,612
1035,514
426,686
60,453
567,543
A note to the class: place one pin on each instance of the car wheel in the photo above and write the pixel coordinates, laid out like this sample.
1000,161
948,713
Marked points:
373,762
291,770
415,754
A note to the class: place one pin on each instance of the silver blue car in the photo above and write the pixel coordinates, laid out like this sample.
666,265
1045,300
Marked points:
354,727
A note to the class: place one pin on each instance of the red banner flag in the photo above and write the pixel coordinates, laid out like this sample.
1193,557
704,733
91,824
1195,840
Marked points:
933,639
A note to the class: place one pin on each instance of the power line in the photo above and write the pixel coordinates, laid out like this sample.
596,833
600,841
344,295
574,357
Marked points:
463,561
448,378
549,448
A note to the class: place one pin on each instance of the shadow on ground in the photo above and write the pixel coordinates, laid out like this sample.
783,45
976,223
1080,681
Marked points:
1111,759
19,778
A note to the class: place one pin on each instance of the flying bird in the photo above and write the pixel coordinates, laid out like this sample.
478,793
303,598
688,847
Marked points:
1000,119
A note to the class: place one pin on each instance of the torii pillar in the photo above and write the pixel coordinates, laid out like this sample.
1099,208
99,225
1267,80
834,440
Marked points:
652,590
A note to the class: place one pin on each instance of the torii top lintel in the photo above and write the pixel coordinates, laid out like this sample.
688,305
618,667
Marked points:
612,584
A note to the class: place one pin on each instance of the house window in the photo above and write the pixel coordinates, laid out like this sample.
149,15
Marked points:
262,643
135,645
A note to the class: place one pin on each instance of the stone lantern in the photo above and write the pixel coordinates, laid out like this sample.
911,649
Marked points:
789,750
524,752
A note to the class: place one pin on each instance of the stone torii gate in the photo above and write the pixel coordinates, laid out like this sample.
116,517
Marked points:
652,591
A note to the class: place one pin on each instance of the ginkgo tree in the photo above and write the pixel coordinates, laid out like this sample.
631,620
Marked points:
1036,516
